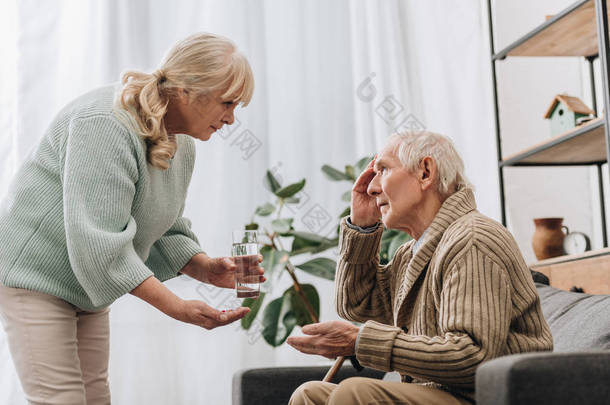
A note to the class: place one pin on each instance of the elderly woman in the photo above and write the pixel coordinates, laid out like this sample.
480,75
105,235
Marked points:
455,296
96,212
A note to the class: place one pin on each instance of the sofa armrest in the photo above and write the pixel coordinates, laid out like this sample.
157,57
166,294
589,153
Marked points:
545,378
271,386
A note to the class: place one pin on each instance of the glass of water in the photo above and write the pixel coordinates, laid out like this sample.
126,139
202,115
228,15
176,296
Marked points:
245,255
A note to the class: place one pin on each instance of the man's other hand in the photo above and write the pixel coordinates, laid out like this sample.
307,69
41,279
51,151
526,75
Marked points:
329,339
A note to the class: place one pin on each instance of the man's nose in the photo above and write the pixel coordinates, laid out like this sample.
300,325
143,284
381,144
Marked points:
374,187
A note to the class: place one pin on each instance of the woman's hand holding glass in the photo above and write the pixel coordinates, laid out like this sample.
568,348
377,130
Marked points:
219,271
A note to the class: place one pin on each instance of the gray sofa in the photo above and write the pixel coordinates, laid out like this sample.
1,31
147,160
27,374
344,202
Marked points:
273,386
577,372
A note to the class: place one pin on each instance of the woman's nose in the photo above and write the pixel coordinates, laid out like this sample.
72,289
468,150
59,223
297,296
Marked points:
229,117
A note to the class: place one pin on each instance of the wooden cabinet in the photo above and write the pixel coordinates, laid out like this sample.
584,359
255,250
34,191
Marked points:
589,271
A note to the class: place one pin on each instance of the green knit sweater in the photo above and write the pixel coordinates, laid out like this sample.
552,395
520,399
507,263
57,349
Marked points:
86,218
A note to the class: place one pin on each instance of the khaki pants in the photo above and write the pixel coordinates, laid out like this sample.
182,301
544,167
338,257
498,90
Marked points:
60,352
369,391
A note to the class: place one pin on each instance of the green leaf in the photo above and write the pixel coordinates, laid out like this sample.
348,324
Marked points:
334,174
321,267
255,305
281,225
349,172
347,196
252,227
290,190
284,313
271,182
305,242
363,163
292,200
386,238
345,212
298,307
273,260
271,323
299,250
265,210
396,242
302,245
310,238
288,318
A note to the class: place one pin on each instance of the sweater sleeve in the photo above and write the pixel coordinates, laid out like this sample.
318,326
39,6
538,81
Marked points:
362,286
99,175
173,250
474,320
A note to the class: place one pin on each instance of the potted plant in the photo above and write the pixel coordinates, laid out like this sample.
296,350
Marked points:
282,244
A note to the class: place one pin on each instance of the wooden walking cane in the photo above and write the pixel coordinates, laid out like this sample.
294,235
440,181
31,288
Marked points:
333,370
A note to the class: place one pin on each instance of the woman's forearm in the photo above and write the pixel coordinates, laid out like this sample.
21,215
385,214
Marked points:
159,296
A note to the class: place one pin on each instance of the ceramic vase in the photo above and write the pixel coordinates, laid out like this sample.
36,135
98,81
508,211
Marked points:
548,238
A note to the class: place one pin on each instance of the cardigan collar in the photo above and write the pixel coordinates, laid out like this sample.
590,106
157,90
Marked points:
454,207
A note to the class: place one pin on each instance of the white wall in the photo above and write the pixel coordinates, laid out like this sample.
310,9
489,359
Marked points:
526,86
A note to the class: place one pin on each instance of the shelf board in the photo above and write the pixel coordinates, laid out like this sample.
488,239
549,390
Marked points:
588,271
572,32
570,258
583,145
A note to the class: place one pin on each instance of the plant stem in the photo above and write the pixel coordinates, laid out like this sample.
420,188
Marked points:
279,210
297,287
299,290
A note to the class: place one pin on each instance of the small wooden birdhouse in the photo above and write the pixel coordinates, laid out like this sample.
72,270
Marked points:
564,113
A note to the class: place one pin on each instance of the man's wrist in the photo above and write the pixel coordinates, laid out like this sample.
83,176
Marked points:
363,229
358,339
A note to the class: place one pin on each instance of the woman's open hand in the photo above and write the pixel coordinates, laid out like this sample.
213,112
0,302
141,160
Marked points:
195,312
201,314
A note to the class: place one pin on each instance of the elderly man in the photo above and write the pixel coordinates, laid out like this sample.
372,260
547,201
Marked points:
455,296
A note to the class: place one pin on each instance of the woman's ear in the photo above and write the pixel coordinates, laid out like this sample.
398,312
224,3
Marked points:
427,172
182,96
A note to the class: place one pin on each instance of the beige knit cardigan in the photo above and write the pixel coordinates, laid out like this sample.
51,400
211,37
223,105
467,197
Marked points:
466,297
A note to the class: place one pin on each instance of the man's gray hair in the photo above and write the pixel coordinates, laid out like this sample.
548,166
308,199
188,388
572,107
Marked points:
413,146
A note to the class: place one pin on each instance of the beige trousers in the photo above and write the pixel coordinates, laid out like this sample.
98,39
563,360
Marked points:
60,352
369,391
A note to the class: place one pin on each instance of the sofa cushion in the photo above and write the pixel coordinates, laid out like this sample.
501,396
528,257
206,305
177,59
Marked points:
578,322
275,385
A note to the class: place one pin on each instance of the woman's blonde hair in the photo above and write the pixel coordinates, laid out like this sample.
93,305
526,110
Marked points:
200,64
412,147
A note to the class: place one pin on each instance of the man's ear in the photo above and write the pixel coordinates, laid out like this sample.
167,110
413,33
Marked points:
427,172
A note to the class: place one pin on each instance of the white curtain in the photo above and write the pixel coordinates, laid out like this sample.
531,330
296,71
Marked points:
333,79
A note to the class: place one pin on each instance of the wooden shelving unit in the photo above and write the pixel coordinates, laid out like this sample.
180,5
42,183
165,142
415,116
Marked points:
584,145
573,32
580,30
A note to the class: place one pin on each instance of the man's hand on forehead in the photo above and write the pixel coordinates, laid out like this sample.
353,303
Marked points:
373,164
